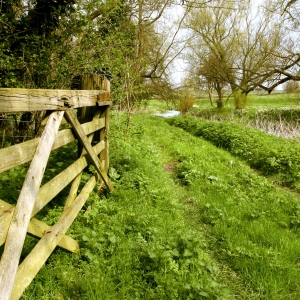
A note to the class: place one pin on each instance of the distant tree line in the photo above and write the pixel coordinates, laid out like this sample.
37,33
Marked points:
234,46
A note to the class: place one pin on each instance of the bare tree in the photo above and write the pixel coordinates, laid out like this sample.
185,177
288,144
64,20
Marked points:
289,8
250,43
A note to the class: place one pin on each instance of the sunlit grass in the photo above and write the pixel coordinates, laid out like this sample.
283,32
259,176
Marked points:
250,221
210,229
277,100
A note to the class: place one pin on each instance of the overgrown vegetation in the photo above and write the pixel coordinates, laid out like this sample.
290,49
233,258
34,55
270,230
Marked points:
135,243
270,155
186,220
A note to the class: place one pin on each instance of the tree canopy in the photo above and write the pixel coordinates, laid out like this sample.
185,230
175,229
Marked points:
228,44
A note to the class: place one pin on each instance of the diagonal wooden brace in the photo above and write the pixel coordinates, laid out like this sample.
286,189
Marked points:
43,249
72,119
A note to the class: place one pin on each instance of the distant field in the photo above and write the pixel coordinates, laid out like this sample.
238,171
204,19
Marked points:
254,101
273,100
276,100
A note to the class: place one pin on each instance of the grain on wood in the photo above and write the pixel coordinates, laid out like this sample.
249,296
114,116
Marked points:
15,100
83,139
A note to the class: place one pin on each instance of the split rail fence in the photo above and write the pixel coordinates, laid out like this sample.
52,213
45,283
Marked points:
17,220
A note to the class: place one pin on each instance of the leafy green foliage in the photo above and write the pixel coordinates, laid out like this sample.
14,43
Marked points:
46,44
272,156
29,43
11,183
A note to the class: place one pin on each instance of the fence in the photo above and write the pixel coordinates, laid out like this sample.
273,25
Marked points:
18,220
19,127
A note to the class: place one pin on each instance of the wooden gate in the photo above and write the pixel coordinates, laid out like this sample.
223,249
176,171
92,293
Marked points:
18,220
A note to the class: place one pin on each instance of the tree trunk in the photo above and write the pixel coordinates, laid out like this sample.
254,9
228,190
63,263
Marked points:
240,99
210,95
220,98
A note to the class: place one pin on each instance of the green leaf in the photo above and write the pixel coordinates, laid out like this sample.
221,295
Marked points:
112,239
187,253
85,238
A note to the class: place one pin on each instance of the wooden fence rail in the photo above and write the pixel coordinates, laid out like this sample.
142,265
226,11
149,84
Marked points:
18,220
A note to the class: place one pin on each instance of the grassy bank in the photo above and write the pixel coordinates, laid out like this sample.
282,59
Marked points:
272,156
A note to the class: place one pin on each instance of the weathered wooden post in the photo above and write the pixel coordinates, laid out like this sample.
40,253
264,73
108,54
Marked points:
105,111
85,114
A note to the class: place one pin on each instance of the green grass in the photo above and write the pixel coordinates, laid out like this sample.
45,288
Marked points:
212,229
250,222
256,101
276,100
134,243
272,156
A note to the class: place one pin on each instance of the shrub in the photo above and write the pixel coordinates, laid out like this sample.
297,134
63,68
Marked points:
186,103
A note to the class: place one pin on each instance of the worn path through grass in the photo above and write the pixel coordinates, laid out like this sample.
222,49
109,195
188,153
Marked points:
186,220
252,226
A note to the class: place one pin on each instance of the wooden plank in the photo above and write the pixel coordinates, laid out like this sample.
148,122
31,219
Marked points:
76,182
39,229
43,249
50,189
104,102
104,155
73,191
105,85
14,100
36,228
71,117
21,216
21,153
104,97
6,213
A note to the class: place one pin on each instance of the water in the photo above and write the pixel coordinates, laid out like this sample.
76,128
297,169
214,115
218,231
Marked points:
169,114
